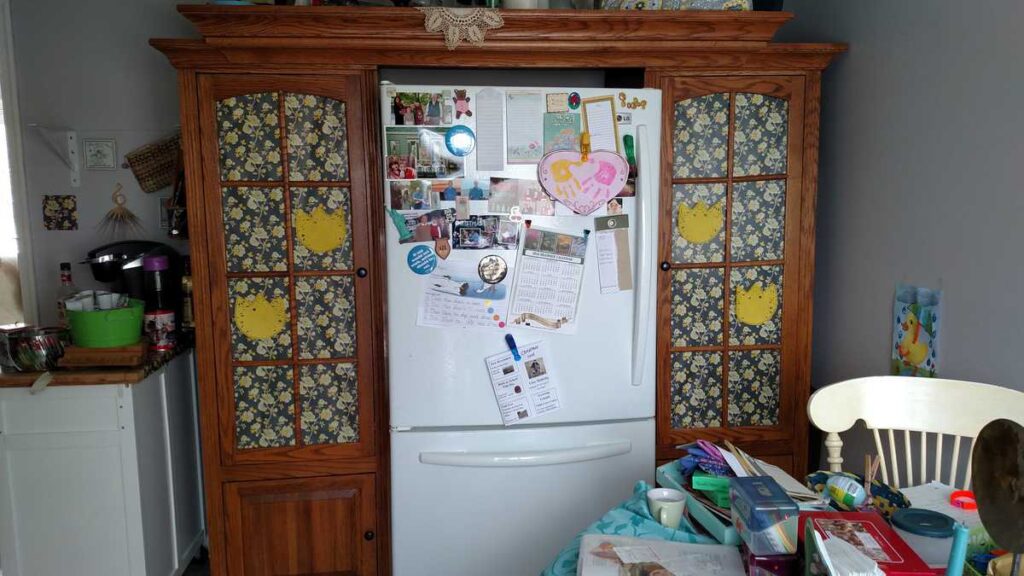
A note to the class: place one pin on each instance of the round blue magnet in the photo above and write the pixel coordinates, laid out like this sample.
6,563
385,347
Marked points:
421,260
460,140
574,100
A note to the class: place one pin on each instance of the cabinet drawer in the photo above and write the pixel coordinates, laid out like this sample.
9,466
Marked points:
61,409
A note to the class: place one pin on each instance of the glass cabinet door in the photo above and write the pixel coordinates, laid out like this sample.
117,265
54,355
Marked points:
284,161
729,234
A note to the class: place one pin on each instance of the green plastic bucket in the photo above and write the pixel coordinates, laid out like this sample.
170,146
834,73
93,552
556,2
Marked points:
106,328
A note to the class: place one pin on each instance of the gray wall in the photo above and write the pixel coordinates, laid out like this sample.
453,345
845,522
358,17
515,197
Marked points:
921,164
88,66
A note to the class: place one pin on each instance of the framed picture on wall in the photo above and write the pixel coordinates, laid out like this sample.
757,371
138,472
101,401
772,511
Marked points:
100,153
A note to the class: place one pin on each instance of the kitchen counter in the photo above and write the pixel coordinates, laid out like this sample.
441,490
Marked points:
92,376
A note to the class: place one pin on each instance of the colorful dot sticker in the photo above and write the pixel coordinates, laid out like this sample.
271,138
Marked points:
421,260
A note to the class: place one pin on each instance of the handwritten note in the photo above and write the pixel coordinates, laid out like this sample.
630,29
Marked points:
455,296
599,121
490,138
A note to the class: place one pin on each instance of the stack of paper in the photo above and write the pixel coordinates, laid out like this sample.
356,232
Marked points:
843,559
604,555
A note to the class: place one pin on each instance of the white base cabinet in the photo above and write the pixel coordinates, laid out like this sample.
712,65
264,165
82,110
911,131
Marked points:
101,480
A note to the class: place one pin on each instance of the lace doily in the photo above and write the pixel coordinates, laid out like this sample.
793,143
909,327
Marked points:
458,24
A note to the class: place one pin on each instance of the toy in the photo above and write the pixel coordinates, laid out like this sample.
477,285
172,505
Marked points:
461,104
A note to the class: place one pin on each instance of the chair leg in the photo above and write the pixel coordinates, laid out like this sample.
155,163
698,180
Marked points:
834,444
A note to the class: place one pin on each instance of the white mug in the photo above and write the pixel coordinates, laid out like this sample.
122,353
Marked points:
667,506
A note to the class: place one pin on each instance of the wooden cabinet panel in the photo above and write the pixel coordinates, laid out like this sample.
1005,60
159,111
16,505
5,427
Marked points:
322,526
285,168
731,294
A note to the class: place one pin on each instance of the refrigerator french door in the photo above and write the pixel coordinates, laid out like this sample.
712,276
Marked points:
470,495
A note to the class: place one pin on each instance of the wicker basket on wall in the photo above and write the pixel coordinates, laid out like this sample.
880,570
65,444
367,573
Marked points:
154,165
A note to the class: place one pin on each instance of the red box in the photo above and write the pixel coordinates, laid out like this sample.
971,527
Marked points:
869,533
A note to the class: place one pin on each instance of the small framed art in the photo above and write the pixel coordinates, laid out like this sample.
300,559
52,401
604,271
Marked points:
100,153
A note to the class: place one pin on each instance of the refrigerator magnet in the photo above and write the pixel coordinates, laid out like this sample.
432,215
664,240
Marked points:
421,260
492,269
574,101
460,140
443,248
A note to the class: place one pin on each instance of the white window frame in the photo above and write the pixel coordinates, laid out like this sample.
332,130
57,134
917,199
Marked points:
19,192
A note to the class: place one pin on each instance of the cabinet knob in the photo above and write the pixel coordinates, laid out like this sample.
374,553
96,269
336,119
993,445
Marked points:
369,535
665,266
361,272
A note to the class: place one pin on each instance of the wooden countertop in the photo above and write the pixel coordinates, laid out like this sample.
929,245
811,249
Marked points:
93,376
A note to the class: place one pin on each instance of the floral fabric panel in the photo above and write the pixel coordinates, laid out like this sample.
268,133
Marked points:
698,229
696,389
755,307
260,319
326,316
700,137
697,307
330,403
60,212
250,137
754,387
758,220
760,136
322,228
317,138
264,407
254,229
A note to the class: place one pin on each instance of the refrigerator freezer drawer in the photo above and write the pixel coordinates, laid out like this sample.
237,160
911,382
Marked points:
503,502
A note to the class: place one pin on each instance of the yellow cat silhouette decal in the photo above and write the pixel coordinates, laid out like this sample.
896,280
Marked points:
700,224
259,318
319,231
757,304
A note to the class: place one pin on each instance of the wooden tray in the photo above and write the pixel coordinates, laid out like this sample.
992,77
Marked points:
78,357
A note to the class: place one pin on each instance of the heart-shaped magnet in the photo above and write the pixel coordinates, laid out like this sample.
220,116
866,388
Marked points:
583,186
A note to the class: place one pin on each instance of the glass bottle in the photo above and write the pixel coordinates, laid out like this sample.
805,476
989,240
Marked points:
66,290
159,316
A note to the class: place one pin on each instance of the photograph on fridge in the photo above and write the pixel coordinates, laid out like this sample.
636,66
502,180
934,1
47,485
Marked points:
528,195
420,153
411,195
476,188
486,233
420,108
429,226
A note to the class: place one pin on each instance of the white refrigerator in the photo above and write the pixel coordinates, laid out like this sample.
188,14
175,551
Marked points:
471,496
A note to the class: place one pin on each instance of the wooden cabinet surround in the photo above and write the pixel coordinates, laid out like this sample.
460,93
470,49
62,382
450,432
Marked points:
279,111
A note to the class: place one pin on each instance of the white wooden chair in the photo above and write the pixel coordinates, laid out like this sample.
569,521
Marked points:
899,408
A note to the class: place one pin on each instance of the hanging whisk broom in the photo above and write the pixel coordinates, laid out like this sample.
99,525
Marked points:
119,221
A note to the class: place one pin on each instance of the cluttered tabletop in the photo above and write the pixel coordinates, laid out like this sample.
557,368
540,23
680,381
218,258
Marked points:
721,511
